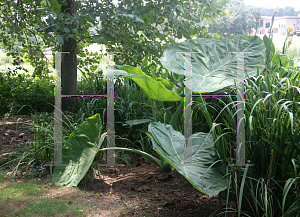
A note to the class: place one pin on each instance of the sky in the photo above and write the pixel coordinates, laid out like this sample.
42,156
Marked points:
269,3
274,3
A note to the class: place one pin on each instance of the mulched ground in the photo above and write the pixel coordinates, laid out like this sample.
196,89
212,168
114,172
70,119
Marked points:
169,194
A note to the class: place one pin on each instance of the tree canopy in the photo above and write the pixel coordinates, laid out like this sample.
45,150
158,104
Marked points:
133,27
287,11
239,19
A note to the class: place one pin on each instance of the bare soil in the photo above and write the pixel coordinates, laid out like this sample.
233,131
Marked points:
136,190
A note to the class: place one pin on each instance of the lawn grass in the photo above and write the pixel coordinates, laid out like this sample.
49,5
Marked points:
41,198
32,198
294,49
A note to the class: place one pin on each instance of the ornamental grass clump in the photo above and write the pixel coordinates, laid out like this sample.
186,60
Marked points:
269,186
272,145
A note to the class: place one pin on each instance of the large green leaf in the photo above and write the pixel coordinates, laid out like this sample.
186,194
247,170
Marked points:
213,65
202,169
279,61
270,49
83,145
157,89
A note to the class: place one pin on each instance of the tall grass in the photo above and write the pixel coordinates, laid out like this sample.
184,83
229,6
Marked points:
269,187
292,53
131,103
33,157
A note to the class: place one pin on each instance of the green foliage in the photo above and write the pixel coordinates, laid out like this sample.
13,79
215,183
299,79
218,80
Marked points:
5,94
88,63
36,95
160,19
18,20
272,140
201,167
124,27
43,137
268,188
79,152
270,50
5,60
239,20
33,155
130,104
282,12
272,135
22,94
128,26
213,64
93,84
157,89
272,131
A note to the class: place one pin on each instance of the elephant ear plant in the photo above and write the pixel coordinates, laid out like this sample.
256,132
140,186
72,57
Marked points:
202,168
214,65
86,140
79,152
214,68
159,89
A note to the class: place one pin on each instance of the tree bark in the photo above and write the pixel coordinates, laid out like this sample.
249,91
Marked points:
69,66
69,75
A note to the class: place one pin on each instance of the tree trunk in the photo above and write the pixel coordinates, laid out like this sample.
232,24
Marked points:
69,66
69,75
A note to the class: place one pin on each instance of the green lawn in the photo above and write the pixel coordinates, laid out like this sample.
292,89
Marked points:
36,198
294,49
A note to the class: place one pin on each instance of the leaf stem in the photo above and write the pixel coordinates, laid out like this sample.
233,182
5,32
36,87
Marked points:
153,110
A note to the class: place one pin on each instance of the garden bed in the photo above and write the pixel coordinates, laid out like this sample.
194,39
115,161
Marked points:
136,190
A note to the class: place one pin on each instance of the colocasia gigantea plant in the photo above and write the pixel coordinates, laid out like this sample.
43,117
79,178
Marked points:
214,68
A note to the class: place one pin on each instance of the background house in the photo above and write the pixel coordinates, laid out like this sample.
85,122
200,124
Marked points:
280,26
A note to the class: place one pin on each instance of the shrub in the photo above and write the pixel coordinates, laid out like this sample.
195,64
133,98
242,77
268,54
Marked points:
34,94
5,94
22,94
8,80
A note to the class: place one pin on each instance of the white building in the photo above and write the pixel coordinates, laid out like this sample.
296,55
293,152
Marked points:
280,26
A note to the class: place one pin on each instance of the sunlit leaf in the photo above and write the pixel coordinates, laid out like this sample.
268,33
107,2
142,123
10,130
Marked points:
202,168
84,144
214,66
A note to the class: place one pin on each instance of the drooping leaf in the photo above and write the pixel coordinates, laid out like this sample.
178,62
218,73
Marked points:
83,145
67,30
213,65
97,39
60,39
132,16
155,89
78,17
201,168
270,49
45,29
280,60
136,122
